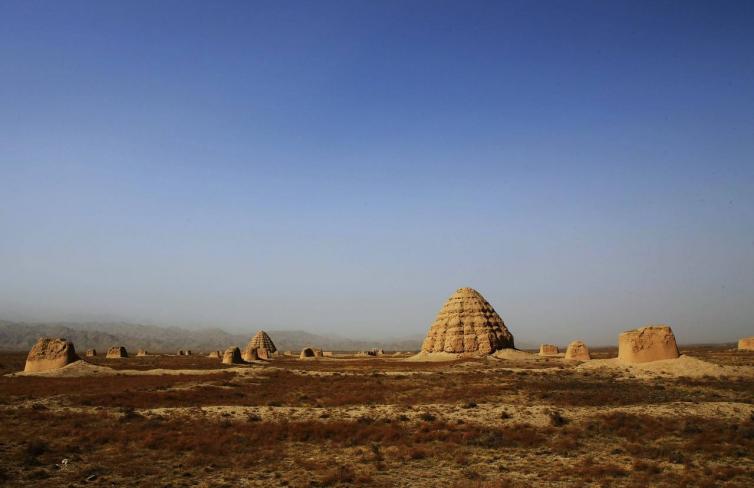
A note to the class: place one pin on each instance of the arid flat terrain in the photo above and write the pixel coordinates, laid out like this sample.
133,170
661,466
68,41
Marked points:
166,420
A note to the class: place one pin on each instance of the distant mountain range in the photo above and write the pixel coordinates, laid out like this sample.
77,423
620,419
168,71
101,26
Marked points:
20,336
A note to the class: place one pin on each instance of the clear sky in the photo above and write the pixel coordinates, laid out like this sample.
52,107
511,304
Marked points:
345,166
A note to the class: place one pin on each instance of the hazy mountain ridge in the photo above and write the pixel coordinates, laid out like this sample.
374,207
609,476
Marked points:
293,340
22,335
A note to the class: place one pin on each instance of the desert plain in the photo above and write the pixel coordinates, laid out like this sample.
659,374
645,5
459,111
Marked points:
345,420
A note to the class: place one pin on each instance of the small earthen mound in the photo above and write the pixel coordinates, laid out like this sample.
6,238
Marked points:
117,352
91,353
746,344
141,352
50,353
577,351
232,355
263,344
467,323
513,354
215,355
548,350
181,352
307,352
651,343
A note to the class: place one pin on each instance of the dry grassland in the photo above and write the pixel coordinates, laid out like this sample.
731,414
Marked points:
376,422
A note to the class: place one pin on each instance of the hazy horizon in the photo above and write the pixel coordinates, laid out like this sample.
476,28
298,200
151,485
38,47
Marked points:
524,339
344,167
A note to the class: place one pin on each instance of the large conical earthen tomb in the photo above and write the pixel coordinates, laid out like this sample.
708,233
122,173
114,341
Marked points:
651,343
467,323
50,353
262,343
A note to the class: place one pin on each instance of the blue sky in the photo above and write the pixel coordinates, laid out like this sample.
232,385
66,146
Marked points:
345,166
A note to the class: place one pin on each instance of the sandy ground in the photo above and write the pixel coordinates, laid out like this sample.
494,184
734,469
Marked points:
434,356
683,366
82,368
513,354
537,415
503,404
447,356
484,413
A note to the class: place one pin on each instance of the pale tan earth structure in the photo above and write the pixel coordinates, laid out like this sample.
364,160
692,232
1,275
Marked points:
746,344
306,352
250,353
650,343
215,354
91,352
578,351
117,352
263,344
467,323
548,350
141,352
232,355
318,353
50,353
181,352
327,354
